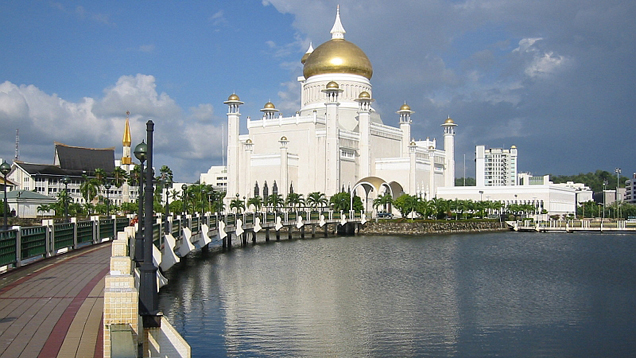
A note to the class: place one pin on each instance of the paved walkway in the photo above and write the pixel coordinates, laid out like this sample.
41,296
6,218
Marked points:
54,308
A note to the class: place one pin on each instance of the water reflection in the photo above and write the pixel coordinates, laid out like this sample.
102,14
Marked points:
487,294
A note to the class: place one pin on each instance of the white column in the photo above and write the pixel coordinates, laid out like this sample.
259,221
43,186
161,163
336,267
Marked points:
449,150
233,118
412,168
431,184
283,189
364,128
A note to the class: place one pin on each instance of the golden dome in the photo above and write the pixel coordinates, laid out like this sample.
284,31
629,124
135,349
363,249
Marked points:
449,120
364,95
233,97
405,107
283,139
269,105
413,143
333,85
338,56
248,141
513,147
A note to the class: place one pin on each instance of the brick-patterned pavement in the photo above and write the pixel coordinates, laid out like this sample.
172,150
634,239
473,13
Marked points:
54,308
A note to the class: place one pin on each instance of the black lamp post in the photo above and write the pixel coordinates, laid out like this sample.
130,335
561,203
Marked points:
148,296
107,186
167,183
65,181
5,168
141,151
183,197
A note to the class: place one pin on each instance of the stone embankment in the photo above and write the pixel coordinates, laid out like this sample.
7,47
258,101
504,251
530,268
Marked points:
390,227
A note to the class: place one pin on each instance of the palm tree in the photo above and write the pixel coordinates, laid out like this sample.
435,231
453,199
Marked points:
424,208
383,201
256,201
237,204
43,208
88,188
119,177
275,200
294,199
316,199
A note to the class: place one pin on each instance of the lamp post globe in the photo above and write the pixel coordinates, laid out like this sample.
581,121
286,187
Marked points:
5,168
141,150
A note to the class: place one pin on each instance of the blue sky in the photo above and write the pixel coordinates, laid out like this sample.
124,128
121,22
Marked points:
555,78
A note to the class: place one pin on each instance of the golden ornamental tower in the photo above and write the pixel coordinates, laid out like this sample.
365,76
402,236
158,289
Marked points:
126,142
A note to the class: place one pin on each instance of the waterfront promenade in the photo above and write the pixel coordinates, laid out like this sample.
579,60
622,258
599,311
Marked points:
54,307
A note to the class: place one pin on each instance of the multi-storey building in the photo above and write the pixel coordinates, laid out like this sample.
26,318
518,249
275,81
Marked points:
630,190
76,164
496,166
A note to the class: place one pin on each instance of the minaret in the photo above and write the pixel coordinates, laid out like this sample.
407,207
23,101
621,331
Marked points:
269,111
332,152
449,149
126,160
364,115
246,167
431,179
284,166
233,117
405,126
412,167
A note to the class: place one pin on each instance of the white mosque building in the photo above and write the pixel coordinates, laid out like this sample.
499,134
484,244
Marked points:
336,140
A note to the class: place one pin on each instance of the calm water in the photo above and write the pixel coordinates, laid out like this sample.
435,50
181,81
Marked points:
502,294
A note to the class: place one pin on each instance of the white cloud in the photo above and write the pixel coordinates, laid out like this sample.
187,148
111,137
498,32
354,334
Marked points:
98,122
542,63
147,48
218,19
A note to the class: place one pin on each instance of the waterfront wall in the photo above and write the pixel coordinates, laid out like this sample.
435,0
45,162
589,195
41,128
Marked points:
390,227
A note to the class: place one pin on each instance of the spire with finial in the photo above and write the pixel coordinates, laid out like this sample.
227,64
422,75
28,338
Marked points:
337,31
127,140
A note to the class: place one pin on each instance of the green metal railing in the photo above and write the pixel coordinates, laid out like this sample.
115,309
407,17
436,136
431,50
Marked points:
122,223
63,235
156,235
106,228
84,232
7,247
32,241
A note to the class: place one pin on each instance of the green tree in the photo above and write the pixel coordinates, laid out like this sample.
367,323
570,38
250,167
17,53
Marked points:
256,202
238,205
294,200
275,200
88,188
405,204
316,199
384,201
340,201
119,177
424,208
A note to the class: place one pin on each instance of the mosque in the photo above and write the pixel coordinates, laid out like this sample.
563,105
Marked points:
336,141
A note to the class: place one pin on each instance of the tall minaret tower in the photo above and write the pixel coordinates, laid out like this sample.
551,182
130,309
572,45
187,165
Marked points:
233,117
364,127
332,152
126,160
449,148
405,125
